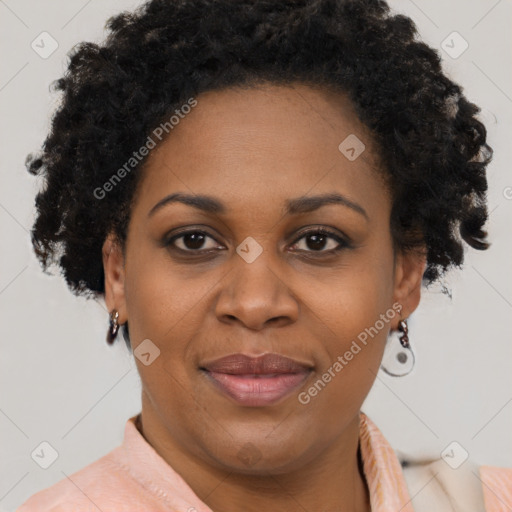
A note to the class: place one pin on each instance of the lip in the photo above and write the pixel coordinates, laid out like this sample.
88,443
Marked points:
256,381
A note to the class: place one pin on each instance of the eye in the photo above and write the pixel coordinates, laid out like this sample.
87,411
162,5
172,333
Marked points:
319,240
191,241
315,240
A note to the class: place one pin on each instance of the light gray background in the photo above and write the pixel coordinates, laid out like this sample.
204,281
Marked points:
61,383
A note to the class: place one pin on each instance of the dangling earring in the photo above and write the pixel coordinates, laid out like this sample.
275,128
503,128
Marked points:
113,327
398,359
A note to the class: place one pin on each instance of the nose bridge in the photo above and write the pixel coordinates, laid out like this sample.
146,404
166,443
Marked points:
255,291
253,270
253,275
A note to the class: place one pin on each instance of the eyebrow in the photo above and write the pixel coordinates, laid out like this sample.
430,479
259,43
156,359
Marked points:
293,206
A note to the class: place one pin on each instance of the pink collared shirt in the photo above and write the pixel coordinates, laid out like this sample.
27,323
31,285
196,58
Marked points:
134,478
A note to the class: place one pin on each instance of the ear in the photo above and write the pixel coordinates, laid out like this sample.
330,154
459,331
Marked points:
113,266
409,269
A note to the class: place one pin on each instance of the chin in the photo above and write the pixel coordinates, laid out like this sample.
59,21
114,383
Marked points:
258,455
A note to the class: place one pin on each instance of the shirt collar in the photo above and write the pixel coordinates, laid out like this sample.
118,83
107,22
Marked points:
383,472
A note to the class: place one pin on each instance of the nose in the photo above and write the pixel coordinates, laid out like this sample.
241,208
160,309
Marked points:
256,295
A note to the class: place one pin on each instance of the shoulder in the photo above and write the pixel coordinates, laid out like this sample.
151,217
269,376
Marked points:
102,485
497,487
466,488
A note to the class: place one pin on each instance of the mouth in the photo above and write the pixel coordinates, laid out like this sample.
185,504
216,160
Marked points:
256,381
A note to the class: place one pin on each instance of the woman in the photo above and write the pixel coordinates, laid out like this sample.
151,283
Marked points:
253,186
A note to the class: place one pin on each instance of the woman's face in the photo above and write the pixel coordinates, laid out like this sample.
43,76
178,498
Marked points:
252,281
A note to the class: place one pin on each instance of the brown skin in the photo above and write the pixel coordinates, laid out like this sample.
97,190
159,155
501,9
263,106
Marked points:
254,149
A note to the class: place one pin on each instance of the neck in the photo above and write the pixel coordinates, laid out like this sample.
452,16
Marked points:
334,480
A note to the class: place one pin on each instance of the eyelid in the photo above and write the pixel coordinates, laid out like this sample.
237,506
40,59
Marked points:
321,229
342,240
168,241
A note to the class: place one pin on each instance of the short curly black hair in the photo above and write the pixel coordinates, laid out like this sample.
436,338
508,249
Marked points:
432,146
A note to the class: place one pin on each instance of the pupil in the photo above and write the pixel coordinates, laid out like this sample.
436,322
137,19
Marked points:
193,240
318,239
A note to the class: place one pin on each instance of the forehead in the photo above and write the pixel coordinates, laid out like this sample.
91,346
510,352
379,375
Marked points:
279,141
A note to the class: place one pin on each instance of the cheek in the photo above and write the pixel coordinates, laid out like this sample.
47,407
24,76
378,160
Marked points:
167,307
359,328
354,297
350,357
161,299
356,313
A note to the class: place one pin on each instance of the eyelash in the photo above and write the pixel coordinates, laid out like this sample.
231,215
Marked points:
344,244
